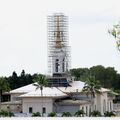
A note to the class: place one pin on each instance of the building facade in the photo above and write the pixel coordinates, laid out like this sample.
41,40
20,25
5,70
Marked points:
61,99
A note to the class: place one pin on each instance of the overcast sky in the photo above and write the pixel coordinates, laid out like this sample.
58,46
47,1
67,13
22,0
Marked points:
23,33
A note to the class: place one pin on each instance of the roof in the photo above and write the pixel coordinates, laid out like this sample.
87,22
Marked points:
11,103
30,90
46,92
104,90
24,89
77,84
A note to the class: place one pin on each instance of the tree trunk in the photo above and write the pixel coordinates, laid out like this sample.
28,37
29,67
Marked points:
42,101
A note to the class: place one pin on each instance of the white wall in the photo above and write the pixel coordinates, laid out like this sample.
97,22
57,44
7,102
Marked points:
110,105
73,108
14,96
36,104
68,108
85,108
102,102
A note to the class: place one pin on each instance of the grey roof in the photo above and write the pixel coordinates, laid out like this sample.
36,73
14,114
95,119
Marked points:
30,90
46,92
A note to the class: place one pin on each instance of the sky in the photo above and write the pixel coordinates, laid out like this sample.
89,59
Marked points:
23,33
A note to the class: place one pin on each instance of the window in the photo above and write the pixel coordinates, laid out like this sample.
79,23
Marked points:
95,107
56,65
30,109
86,110
44,110
63,65
89,110
110,106
104,106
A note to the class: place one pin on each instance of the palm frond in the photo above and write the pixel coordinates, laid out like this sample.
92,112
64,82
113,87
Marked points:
92,86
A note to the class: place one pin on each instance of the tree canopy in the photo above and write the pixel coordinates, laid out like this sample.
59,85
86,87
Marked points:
92,86
115,31
107,76
23,79
4,86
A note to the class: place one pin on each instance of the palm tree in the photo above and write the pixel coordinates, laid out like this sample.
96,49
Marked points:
40,81
79,113
4,86
66,114
92,86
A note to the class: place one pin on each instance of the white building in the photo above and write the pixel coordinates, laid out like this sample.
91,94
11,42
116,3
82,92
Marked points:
60,99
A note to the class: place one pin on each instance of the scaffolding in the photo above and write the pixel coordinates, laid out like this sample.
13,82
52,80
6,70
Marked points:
58,46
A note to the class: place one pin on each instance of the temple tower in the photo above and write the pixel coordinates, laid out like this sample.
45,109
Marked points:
58,46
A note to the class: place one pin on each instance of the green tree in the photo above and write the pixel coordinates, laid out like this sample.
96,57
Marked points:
13,81
79,73
79,113
66,114
99,73
4,87
110,77
40,82
25,79
106,76
115,31
16,81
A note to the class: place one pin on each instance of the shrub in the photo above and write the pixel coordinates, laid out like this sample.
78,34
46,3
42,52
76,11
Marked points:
109,114
95,113
79,113
4,113
66,114
37,114
52,114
